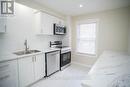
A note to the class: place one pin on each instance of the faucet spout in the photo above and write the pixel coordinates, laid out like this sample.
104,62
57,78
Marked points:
26,45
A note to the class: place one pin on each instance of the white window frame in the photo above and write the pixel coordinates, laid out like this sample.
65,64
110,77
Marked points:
88,21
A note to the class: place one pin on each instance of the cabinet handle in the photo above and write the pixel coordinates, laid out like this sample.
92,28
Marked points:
35,59
4,77
32,59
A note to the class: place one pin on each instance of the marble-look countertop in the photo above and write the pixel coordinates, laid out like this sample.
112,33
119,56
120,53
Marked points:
110,70
10,56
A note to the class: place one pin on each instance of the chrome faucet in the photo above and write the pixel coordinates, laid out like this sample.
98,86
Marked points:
26,46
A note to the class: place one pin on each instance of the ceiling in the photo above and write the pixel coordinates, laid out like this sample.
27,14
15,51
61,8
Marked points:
71,7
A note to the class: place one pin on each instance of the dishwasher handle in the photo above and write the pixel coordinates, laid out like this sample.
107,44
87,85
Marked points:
53,53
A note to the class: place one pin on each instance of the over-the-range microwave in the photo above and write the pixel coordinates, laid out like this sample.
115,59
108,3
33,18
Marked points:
59,29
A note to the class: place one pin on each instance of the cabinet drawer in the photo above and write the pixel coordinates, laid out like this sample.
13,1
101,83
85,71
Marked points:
4,67
5,71
8,74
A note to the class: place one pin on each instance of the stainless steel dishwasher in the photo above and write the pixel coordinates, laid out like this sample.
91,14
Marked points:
52,61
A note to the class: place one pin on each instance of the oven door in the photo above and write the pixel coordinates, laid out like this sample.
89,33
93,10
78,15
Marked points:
65,58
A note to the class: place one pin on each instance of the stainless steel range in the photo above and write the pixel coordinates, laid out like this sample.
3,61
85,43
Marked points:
65,53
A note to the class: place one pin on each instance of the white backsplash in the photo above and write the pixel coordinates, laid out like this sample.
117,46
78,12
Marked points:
21,27
67,38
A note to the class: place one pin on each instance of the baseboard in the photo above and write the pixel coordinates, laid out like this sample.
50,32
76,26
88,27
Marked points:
84,65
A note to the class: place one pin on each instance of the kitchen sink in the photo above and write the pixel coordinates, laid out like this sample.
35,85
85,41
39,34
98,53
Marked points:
26,52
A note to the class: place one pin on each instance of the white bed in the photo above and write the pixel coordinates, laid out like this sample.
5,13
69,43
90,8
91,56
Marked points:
112,69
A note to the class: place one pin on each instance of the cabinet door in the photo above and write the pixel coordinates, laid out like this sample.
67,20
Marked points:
3,24
55,20
39,66
51,25
8,74
43,23
48,24
38,22
62,22
26,71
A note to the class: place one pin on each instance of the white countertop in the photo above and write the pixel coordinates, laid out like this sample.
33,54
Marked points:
10,56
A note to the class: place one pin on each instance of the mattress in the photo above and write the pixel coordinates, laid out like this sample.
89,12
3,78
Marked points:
112,69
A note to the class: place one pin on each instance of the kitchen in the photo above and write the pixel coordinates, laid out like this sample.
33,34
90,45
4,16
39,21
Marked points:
38,45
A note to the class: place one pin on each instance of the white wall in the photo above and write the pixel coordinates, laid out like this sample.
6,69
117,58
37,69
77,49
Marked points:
41,7
112,32
20,27
67,37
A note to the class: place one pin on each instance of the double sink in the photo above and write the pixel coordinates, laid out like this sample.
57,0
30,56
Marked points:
26,52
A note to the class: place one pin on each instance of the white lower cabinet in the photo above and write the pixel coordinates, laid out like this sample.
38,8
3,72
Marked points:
39,67
22,72
31,69
8,74
26,71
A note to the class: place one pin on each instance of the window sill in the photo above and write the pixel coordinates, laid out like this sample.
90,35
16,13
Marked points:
85,54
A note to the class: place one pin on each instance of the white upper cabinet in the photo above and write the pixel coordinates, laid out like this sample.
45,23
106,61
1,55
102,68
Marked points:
3,25
8,74
44,23
48,22
58,21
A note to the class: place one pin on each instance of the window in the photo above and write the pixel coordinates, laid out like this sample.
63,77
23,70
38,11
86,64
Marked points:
86,38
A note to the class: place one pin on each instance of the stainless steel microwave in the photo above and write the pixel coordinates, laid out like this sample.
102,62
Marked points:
59,29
